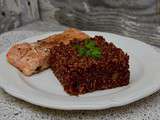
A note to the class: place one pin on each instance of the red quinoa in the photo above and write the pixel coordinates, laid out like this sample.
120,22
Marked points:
82,74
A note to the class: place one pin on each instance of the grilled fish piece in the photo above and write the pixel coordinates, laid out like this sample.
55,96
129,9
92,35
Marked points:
31,58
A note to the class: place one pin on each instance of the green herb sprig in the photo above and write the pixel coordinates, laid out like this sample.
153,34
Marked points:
89,49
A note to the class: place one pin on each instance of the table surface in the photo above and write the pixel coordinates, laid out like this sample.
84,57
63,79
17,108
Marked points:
14,109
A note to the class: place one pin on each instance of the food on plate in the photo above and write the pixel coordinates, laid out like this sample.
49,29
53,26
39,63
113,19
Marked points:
89,65
81,63
31,58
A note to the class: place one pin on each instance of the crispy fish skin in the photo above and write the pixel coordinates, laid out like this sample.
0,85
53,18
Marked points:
31,58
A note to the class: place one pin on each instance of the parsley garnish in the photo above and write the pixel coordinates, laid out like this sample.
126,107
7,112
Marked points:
89,49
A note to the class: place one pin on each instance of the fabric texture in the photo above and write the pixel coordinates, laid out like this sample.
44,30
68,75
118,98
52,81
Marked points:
15,13
139,18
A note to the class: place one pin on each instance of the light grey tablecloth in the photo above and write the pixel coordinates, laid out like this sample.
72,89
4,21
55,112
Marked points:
15,109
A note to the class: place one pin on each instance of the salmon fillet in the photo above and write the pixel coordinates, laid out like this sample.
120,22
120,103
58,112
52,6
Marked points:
31,58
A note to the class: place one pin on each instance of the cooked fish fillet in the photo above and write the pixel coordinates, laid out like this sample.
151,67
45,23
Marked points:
31,58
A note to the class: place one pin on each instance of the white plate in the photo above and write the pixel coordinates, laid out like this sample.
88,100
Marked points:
44,89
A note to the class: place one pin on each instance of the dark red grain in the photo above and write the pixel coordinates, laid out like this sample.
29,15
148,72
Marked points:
80,75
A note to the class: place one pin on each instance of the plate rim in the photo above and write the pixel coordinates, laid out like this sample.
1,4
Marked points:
11,91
